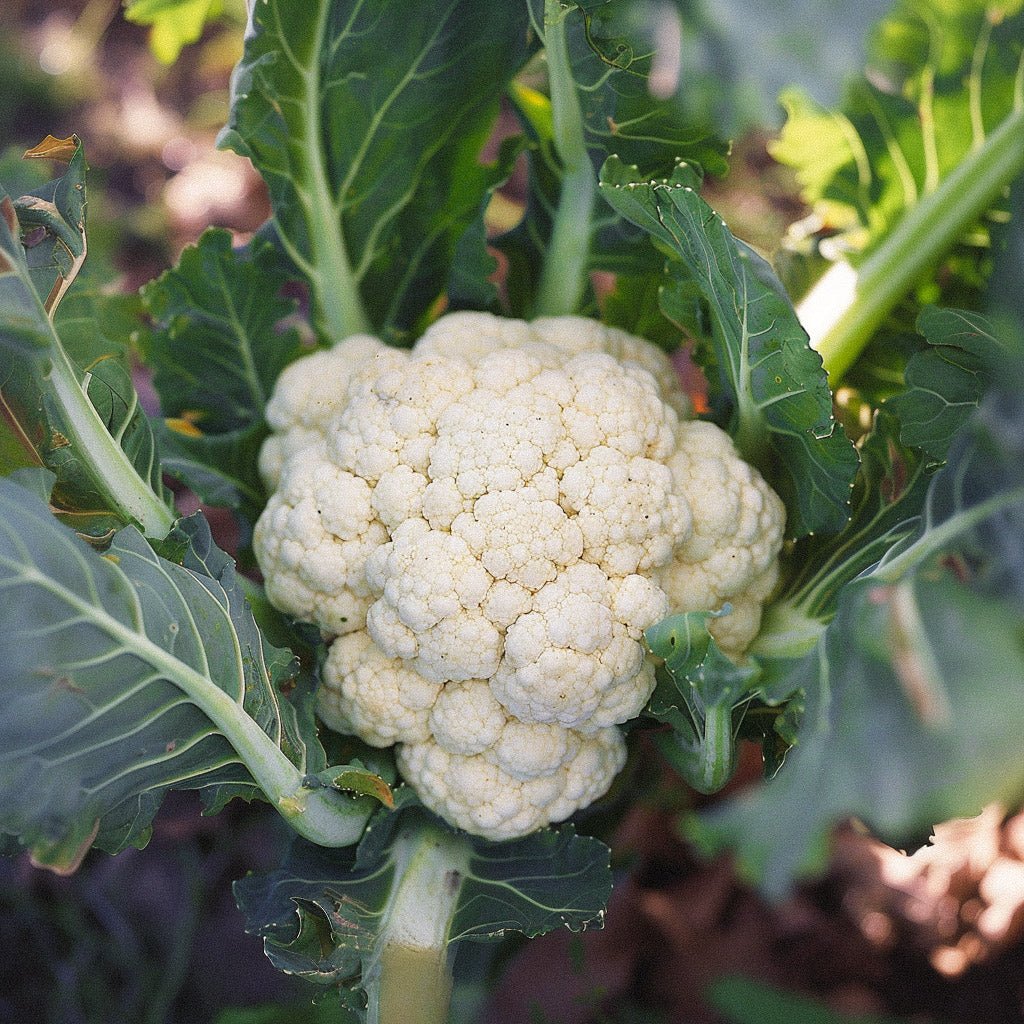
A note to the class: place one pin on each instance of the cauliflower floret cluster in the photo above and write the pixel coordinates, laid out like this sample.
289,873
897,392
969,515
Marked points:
486,525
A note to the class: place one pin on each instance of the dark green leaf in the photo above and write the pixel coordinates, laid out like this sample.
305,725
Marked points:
219,341
330,916
98,446
888,497
369,138
129,675
698,691
744,1001
944,383
766,375
914,696
914,714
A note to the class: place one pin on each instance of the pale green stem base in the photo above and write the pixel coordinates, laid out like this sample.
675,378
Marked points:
411,981
926,232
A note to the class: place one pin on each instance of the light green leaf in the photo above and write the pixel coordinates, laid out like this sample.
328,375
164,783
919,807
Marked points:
128,675
81,421
768,383
174,23
921,150
369,139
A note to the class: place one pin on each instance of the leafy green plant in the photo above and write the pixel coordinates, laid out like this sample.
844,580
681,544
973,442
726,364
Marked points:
886,675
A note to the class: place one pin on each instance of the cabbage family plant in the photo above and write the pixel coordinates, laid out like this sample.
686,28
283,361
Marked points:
869,640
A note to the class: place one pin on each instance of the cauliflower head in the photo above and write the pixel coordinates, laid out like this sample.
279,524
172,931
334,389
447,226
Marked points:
485,525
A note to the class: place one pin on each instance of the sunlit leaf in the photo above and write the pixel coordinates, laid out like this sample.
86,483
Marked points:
768,384
369,138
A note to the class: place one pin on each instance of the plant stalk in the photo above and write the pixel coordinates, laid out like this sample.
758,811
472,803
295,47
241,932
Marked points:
411,982
925,233
564,276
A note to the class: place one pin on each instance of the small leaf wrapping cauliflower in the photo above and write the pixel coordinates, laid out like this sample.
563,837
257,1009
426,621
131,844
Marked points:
486,525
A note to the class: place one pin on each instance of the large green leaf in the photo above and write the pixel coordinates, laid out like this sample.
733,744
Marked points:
915,695
769,382
80,420
217,345
367,122
126,675
333,916
905,171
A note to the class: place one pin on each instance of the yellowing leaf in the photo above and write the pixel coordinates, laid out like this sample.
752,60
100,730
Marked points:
52,148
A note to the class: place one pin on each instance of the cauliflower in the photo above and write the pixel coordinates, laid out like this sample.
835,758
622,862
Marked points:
486,525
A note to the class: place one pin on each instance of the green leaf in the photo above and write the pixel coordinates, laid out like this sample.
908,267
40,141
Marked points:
81,422
913,716
914,703
920,152
888,497
945,382
340,919
910,438
745,1001
324,1012
128,675
369,140
633,105
940,78
698,691
175,23
218,344
52,221
767,378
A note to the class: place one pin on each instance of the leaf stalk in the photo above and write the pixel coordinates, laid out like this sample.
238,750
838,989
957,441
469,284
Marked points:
128,495
564,276
925,233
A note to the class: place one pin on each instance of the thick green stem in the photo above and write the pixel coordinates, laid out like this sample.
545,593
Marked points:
564,277
926,232
411,982
716,758
128,494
